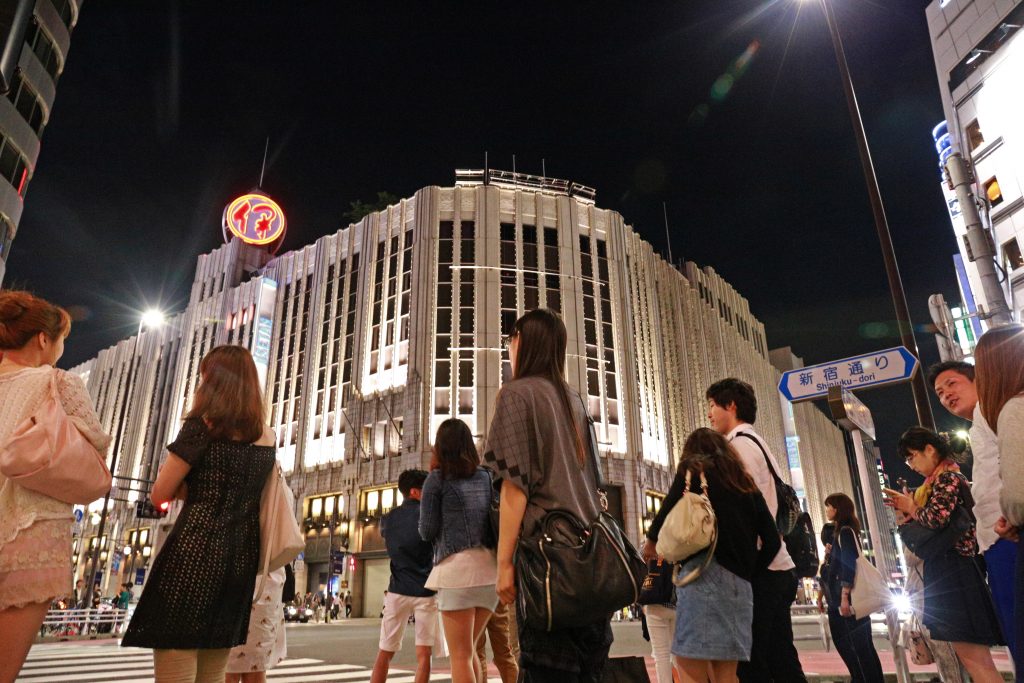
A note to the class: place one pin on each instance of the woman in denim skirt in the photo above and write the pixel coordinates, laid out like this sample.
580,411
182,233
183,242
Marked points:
714,612
454,517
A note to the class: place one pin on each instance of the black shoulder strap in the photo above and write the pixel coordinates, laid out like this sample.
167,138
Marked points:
767,460
592,438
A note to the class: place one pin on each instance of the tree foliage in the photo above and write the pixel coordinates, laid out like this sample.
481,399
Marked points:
359,208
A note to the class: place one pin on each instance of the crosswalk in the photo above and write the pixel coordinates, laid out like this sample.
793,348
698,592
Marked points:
65,663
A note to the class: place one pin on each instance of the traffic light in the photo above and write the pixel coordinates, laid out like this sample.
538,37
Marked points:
144,509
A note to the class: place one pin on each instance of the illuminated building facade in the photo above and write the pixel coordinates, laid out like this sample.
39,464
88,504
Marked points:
371,336
26,107
979,58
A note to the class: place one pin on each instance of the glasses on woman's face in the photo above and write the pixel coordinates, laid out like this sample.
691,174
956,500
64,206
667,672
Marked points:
506,341
910,456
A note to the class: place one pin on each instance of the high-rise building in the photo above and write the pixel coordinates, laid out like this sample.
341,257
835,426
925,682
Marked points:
370,337
979,58
26,108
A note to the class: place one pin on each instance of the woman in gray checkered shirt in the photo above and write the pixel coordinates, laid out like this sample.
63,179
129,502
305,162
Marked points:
537,449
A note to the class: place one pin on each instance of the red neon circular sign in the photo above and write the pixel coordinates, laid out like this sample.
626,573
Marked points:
254,219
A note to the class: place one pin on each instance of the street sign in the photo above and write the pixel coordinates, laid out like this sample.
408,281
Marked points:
140,576
850,412
890,366
79,514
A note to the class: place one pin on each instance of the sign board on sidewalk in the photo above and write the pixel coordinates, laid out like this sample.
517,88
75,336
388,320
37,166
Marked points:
890,366
850,412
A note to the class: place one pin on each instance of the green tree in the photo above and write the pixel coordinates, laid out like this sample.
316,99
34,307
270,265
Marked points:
359,208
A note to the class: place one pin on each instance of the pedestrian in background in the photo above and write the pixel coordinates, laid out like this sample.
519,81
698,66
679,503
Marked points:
266,644
503,633
348,604
732,410
35,529
714,613
1000,367
537,447
850,633
407,596
957,603
957,391
196,604
454,518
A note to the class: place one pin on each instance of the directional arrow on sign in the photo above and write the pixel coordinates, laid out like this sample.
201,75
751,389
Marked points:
890,366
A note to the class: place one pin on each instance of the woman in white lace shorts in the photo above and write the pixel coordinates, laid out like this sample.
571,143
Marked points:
35,529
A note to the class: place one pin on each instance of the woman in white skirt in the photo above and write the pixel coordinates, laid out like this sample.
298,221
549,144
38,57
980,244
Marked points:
266,644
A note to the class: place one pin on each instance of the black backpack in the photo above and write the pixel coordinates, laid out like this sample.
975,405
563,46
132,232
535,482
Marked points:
803,547
788,503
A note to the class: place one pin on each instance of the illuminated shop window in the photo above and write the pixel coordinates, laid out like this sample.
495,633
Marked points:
652,504
993,192
1011,254
376,502
324,515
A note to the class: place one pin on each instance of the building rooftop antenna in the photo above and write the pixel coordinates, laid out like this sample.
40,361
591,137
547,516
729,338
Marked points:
668,237
263,169
544,167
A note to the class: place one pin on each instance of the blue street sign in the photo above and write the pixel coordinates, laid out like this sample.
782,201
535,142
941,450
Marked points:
140,576
78,514
890,366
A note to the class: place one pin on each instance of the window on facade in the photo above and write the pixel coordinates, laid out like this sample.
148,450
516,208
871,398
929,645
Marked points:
1011,254
13,165
64,11
27,102
37,40
974,137
992,191
377,502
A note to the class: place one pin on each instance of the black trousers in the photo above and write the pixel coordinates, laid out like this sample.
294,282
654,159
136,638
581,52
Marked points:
852,637
773,656
570,655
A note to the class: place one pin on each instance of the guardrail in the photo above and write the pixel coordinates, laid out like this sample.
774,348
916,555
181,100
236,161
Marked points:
82,624
810,615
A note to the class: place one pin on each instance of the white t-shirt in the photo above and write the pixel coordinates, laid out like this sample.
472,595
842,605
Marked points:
753,460
987,484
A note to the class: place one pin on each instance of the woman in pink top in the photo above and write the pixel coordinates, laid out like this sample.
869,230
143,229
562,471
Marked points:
35,529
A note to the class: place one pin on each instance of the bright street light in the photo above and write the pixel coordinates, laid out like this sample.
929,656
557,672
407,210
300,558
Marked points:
963,434
152,318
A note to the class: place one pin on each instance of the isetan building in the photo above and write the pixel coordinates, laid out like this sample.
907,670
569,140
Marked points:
979,58
370,337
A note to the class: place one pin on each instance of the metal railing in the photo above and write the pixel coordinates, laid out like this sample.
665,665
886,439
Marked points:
810,615
82,624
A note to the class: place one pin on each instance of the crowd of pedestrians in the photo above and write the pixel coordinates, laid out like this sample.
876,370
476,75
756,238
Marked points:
721,612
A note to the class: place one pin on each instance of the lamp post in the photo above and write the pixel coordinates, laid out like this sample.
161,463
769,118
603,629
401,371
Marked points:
899,297
150,319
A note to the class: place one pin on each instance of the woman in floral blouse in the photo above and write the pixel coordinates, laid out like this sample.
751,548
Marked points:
957,604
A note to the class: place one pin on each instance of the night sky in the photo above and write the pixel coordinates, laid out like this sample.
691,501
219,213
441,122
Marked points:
164,107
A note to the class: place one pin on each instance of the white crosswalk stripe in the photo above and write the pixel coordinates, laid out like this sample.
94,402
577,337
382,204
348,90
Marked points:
69,663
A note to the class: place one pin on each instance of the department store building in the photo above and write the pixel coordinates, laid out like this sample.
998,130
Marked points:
370,337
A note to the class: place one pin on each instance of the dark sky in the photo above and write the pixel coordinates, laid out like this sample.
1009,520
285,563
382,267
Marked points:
163,109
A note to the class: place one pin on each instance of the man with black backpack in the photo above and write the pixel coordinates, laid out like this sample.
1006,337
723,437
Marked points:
732,409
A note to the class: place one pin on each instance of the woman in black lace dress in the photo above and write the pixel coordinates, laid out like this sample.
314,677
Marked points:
196,604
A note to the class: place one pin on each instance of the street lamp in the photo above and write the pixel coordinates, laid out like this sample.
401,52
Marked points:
151,319
899,297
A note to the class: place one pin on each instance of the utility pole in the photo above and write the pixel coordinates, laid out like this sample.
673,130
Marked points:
899,297
981,250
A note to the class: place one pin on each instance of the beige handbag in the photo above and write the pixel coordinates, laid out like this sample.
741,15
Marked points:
47,454
281,539
870,592
690,526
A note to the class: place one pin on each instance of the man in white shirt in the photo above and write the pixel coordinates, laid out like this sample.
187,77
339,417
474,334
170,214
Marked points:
953,382
732,409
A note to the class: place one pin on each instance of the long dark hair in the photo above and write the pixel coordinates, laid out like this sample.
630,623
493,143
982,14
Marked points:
541,353
845,512
707,451
228,397
456,453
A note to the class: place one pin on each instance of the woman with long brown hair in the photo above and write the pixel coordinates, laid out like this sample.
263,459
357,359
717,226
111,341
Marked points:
197,601
999,376
851,633
714,613
35,529
538,448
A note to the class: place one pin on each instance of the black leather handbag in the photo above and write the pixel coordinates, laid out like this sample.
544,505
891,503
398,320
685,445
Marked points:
571,574
928,543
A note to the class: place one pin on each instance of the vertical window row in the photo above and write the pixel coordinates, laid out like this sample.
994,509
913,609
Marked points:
466,288
552,270
509,294
443,321
392,286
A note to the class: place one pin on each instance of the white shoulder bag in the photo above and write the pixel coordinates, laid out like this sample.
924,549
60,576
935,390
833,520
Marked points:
281,539
690,526
870,592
